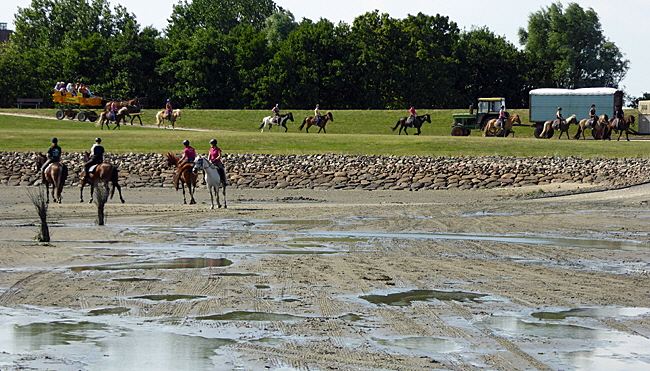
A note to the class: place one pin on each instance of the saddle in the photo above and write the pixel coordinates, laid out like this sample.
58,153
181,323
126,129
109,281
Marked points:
111,115
615,123
91,170
590,123
410,122
274,120
556,124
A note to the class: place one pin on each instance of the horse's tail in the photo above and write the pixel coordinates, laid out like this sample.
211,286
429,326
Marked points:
158,118
396,125
262,126
114,177
577,136
64,173
303,124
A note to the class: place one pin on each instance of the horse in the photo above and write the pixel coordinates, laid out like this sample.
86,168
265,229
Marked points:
103,173
55,174
212,179
416,123
311,121
134,105
161,116
120,115
184,176
268,121
492,130
562,126
622,125
597,127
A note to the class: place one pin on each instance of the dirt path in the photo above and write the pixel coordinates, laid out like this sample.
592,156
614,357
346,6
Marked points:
332,257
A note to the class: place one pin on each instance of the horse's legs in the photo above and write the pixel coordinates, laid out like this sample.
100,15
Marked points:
191,191
119,190
285,127
419,131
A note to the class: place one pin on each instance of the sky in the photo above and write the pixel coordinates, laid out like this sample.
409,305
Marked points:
623,22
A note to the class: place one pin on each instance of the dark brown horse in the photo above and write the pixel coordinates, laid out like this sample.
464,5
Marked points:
622,125
184,176
55,174
103,174
311,121
417,123
120,115
133,105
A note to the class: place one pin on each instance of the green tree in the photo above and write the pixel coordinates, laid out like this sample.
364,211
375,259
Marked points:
489,65
571,49
278,26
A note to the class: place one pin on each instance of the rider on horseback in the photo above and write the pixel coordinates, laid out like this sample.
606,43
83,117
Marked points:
215,158
592,116
412,116
189,154
53,155
558,119
317,114
618,115
276,113
168,109
502,117
96,158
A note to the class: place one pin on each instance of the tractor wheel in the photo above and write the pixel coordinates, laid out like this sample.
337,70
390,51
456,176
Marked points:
457,132
81,116
467,132
538,133
59,114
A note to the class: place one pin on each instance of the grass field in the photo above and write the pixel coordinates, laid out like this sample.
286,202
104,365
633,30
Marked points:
352,132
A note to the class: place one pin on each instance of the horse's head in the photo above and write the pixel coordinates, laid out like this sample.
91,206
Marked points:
329,115
572,120
630,119
39,160
515,118
123,111
172,159
199,164
290,116
427,118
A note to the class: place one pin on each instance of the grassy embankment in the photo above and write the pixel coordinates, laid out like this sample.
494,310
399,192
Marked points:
352,132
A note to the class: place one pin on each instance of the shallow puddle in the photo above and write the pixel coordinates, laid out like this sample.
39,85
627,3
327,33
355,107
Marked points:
251,316
425,346
135,279
108,311
591,313
169,297
404,299
180,263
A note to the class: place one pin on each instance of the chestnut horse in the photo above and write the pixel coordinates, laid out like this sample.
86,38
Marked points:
492,130
120,115
417,123
597,127
102,175
563,126
311,121
55,174
184,176
622,125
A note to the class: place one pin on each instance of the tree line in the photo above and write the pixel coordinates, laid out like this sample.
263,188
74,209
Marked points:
253,54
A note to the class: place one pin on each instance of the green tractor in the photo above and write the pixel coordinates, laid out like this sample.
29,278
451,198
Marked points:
488,109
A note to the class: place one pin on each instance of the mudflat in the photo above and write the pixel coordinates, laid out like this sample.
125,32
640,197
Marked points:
347,280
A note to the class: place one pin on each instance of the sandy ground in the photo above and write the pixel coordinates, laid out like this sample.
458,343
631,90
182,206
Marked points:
317,254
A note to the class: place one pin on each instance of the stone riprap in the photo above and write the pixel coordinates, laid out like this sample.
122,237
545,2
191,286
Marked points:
330,171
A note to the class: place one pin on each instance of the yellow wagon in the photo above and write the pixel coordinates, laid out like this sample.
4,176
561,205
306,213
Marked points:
85,104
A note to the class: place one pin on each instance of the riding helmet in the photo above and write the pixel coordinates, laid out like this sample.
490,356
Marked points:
98,140
54,140
186,142
213,141
559,108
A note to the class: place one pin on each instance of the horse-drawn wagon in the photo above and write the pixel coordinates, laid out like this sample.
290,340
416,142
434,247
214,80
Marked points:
488,109
85,104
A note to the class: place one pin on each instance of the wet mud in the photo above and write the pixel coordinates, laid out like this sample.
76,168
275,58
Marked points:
435,280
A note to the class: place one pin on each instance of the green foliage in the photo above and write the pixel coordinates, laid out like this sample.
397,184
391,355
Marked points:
571,47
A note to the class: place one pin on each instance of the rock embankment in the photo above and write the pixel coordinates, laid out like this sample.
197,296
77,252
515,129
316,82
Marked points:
356,171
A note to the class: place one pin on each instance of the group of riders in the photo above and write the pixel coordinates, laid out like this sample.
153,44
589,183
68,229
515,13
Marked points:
276,114
97,157
593,118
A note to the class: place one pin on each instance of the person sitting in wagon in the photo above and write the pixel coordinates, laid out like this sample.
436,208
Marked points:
84,91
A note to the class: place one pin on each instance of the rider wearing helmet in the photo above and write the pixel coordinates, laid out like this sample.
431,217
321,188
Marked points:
592,115
168,108
96,158
558,118
276,112
53,155
317,114
215,158
189,154
502,117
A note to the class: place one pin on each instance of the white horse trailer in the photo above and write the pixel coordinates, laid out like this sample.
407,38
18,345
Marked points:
543,103
644,117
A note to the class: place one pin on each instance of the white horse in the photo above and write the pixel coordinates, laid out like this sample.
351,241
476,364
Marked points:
212,179
161,116
282,121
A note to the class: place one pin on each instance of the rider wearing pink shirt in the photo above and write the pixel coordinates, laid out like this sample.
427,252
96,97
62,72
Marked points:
189,154
215,158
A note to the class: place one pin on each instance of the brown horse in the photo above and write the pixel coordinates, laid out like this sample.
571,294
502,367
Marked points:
55,174
562,126
416,123
120,115
103,174
623,125
597,127
311,121
492,130
161,116
133,105
184,176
